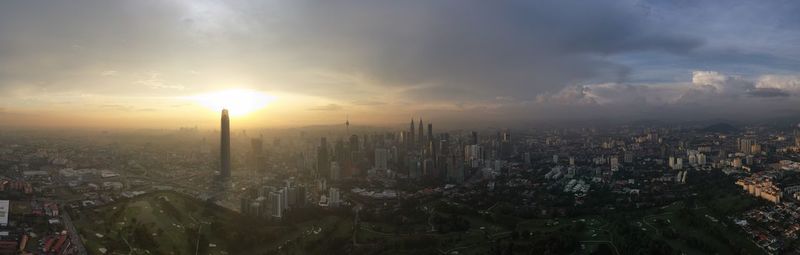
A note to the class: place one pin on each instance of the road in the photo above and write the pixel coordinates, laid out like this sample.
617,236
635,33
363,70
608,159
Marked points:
73,233
604,242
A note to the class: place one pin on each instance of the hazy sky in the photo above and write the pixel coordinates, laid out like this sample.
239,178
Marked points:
140,63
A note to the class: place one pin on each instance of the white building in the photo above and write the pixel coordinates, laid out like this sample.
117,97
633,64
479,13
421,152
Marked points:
333,197
5,209
474,155
336,171
614,164
277,200
671,162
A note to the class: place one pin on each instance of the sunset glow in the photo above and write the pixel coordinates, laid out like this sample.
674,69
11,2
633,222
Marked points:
239,102
399,127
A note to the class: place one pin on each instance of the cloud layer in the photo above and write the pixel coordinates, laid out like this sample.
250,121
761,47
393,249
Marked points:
452,59
709,95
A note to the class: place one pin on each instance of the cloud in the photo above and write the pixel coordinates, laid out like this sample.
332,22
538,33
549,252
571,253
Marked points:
108,73
154,81
768,92
489,49
368,103
709,93
721,84
328,107
569,95
116,107
786,83
550,57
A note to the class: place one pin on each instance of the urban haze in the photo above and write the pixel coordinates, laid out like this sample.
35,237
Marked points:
399,127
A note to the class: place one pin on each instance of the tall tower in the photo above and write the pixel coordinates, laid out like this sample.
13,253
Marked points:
412,136
474,139
421,134
225,146
430,131
347,125
797,136
323,160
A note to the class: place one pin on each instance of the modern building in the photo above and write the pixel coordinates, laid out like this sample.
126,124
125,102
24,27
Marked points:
334,198
5,209
411,137
336,171
797,136
474,138
762,187
225,146
278,201
257,157
430,131
746,145
381,159
323,160
614,164
420,135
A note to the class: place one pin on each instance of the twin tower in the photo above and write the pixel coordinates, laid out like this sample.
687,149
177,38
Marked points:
419,136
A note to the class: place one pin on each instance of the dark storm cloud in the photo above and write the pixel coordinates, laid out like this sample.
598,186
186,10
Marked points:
489,49
767,92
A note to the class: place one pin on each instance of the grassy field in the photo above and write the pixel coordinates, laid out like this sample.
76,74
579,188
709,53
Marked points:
699,230
156,223
171,223
695,229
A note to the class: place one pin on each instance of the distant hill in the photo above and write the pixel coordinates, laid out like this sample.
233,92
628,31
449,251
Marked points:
720,128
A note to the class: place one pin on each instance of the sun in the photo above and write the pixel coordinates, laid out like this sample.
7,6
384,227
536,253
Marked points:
238,101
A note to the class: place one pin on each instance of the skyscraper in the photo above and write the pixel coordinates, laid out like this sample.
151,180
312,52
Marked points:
381,159
225,146
323,160
411,137
421,134
614,163
797,136
430,131
505,144
746,145
257,157
347,125
474,139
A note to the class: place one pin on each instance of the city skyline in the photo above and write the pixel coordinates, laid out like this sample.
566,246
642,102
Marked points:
367,127
156,64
